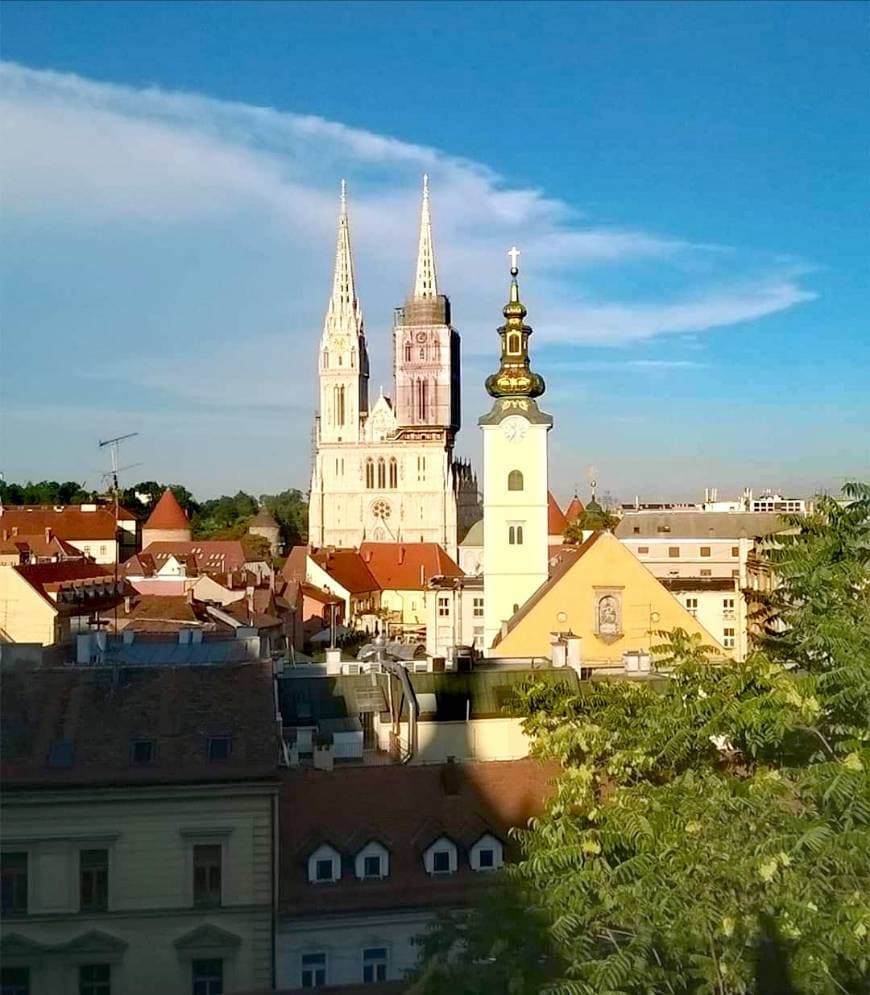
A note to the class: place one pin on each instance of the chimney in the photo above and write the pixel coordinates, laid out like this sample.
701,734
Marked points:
402,555
48,533
573,651
128,603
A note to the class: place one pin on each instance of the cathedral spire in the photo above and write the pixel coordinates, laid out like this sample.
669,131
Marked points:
344,314
425,283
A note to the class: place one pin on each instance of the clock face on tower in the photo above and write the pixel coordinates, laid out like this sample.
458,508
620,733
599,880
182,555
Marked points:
514,428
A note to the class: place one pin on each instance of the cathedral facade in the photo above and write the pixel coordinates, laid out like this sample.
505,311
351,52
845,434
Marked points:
386,472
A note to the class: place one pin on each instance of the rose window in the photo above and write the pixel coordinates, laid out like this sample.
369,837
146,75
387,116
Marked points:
381,510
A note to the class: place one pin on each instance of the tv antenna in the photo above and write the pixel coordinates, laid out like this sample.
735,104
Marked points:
114,448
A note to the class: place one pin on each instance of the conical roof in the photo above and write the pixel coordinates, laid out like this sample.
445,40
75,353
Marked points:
167,514
574,510
556,522
263,518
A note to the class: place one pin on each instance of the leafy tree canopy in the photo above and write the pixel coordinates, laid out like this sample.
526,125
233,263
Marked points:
696,817
45,492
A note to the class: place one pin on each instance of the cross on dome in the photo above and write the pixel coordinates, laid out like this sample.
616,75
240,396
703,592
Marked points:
514,254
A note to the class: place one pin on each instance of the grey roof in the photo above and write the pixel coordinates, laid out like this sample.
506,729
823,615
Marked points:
698,524
263,518
310,700
474,536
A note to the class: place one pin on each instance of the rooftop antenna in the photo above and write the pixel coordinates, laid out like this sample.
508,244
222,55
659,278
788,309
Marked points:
114,447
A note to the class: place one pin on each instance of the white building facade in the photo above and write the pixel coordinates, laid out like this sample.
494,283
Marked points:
388,474
515,512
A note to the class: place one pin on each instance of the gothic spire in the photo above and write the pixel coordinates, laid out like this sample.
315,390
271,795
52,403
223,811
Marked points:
425,283
344,314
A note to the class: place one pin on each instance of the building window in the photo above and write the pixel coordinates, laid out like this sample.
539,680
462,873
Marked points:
141,751
207,875
208,976
382,474
394,474
441,862
515,535
692,606
735,551
706,573
313,970
443,606
728,607
486,859
421,469
219,749
95,979
636,530
15,981
663,528
705,551
13,870
407,352
478,637
374,965
324,870
642,550
515,480
673,551
370,474
372,867
728,638
735,573
477,608
93,880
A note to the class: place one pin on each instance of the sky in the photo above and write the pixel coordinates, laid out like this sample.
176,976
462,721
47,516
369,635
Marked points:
688,185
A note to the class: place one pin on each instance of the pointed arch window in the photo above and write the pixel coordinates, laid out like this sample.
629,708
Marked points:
326,359
370,474
394,473
382,473
514,344
515,480
338,404
407,352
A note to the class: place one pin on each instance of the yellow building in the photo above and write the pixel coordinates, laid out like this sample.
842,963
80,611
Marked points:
139,818
600,592
44,603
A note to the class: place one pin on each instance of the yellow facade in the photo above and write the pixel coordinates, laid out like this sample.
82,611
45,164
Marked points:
609,599
151,932
25,615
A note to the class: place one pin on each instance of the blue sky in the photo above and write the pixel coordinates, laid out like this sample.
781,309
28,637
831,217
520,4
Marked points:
688,183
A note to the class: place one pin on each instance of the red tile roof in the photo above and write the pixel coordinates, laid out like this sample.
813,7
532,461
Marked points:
399,566
167,513
163,608
214,556
556,522
67,521
295,564
44,546
99,710
347,568
574,510
50,577
406,807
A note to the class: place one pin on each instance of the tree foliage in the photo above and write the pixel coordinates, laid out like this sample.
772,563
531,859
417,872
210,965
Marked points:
697,816
594,519
45,492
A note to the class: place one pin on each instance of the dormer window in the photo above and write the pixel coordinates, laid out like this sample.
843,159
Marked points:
441,857
219,748
372,862
487,854
324,865
141,752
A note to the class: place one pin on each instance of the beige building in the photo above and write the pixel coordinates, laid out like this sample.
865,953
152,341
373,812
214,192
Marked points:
47,603
139,813
167,522
387,473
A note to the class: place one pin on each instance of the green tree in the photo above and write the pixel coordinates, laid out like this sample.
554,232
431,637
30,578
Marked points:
290,510
692,821
594,519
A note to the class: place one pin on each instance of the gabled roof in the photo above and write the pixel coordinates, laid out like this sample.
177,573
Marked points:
347,568
167,513
574,510
99,710
48,578
560,565
44,546
556,522
67,521
399,566
213,556
403,804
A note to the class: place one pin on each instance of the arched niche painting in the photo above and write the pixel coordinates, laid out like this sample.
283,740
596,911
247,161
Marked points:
608,616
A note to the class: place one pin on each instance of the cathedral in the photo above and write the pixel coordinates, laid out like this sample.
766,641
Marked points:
385,472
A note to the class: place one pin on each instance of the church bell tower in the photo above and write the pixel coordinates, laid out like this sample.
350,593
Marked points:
514,474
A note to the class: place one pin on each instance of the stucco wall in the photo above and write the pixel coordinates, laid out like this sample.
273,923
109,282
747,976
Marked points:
25,616
149,834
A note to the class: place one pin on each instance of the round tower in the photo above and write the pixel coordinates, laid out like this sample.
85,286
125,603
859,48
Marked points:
168,522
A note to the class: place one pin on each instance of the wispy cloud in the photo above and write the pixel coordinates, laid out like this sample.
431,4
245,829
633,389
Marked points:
196,235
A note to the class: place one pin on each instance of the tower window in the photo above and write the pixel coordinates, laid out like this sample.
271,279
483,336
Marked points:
514,346
515,535
515,480
382,474
394,474
370,474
